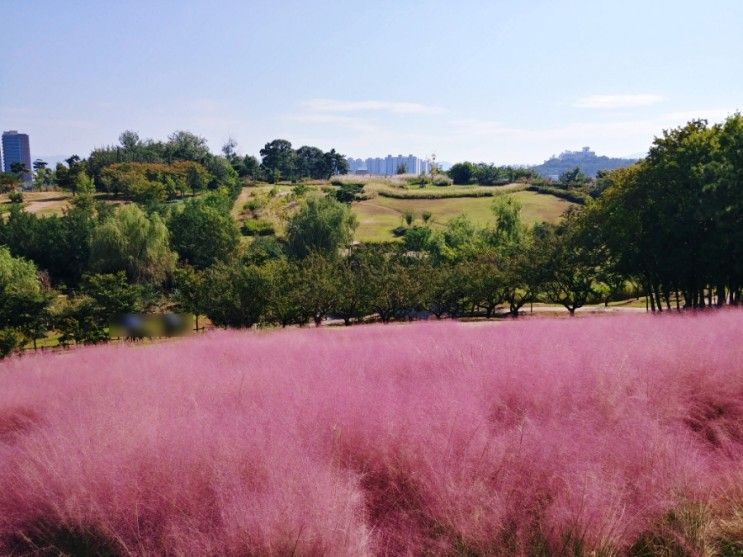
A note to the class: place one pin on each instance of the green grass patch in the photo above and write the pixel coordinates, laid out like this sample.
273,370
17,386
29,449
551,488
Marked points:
378,217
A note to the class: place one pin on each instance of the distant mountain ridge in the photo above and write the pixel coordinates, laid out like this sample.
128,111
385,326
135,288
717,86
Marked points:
585,159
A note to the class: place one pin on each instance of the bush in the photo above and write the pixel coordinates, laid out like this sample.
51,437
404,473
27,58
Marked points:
15,197
442,180
257,227
10,340
574,196
348,193
254,204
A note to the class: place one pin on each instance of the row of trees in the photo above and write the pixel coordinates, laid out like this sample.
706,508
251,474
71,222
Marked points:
464,173
279,161
190,258
674,221
146,170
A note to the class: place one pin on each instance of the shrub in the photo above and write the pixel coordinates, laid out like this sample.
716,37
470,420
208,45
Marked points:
574,196
257,227
442,180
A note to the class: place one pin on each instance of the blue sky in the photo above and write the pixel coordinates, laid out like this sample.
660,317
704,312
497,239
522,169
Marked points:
499,81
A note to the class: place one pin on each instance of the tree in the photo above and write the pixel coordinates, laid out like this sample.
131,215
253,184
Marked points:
8,182
318,285
202,234
310,163
19,170
249,167
23,304
279,160
484,282
236,295
573,267
133,242
394,281
574,178
444,290
263,249
285,303
352,301
186,146
523,265
189,292
321,224
43,176
113,294
508,226
462,173
335,163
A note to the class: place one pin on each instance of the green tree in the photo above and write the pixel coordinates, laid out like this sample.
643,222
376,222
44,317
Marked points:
334,163
189,293
8,182
463,173
201,234
574,267
279,160
352,301
113,294
394,281
318,285
133,242
186,146
19,170
310,163
236,295
285,303
322,225
574,178
23,304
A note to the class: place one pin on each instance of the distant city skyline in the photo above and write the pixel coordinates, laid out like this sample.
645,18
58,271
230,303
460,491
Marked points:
502,82
389,165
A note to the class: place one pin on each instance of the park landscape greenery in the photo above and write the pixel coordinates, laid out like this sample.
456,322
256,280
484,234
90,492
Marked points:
158,227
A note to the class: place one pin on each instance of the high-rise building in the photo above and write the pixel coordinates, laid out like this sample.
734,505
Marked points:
388,166
16,149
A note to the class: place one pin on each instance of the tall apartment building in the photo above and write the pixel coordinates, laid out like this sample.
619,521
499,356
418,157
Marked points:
16,149
388,165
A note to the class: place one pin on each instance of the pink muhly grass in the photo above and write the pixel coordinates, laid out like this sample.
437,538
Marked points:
506,438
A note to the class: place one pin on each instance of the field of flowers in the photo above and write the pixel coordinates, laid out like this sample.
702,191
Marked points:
614,435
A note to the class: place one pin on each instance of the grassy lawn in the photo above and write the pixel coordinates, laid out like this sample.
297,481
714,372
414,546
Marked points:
378,216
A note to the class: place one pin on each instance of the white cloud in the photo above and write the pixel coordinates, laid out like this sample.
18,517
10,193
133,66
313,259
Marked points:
618,101
334,105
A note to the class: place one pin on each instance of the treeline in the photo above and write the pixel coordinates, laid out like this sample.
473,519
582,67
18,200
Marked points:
465,173
149,171
572,184
189,259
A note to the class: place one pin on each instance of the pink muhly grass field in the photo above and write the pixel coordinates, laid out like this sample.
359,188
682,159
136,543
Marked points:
533,437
